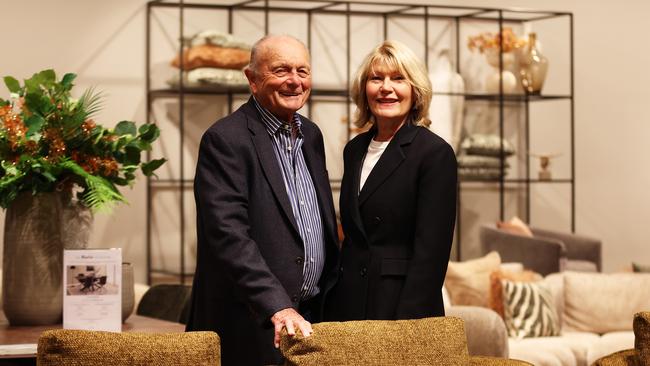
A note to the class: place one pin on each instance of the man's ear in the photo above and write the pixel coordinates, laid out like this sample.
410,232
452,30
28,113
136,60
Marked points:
250,76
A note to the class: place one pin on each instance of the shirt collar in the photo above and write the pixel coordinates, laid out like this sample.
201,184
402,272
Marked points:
273,123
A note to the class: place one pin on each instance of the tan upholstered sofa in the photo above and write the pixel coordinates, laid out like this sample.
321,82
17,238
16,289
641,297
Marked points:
640,354
595,311
82,347
429,341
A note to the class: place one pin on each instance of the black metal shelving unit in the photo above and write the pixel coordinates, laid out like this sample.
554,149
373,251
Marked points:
498,18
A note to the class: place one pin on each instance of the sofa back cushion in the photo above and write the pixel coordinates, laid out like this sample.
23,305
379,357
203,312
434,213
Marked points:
601,303
555,283
428,341
642,336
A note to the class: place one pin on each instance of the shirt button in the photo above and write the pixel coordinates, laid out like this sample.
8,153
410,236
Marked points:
299,260
309,230
302,202
295,298
311,259
377,220
363,272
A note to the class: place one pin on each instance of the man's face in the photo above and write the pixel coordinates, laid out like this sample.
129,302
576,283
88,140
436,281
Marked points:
282,81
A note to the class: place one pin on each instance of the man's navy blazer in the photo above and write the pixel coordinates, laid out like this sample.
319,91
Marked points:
250,254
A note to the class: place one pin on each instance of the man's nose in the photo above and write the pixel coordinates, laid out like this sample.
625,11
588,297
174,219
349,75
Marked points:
293,78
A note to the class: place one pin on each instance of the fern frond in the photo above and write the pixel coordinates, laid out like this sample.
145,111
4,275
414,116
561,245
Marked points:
100,194
91,102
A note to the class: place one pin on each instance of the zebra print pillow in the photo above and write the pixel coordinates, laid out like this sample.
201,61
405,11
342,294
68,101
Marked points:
529,310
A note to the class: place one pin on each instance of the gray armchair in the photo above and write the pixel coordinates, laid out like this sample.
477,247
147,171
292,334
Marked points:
546,252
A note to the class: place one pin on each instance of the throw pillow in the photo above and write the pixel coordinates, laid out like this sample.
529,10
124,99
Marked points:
428,341
636,267
468,282
213,56
495,299
604,302
211,77
515,226
529,310
482,144
217,38
480,161
479,173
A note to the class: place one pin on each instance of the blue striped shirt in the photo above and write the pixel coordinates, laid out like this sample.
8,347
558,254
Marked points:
302,195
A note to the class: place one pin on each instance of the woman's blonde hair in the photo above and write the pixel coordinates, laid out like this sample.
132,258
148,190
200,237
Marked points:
394,56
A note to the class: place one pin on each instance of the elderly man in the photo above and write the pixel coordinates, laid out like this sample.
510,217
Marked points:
265,218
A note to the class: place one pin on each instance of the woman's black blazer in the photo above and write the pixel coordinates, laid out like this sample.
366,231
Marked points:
398,229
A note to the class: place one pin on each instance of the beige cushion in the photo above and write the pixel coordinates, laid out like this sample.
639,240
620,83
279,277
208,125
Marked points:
428,341
468,282
642,336
601,303
555,282
82,347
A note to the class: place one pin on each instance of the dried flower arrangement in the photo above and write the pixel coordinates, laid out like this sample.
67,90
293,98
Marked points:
489,40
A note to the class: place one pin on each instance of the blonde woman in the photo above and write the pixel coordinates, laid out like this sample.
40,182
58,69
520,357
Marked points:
398,196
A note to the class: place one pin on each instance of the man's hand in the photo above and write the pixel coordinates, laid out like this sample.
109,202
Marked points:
291,319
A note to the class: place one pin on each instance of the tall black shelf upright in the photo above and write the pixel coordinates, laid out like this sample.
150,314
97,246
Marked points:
457,16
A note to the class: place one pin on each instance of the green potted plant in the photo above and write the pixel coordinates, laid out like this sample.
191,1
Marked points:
57,166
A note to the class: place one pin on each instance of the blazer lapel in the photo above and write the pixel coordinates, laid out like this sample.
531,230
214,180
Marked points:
388,162
357,154
266,155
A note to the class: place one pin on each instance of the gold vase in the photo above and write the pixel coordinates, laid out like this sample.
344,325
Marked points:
533,67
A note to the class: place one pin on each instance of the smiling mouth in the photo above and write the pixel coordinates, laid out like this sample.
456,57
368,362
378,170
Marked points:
387,101
290,94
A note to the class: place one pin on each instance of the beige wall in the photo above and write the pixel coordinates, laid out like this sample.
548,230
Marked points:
103,42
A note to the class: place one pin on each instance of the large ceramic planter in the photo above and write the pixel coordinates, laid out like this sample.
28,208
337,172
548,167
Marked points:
37,229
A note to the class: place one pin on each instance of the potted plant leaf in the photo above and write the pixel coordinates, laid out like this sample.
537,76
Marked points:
57,167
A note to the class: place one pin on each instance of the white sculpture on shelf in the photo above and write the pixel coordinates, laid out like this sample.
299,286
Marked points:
446,112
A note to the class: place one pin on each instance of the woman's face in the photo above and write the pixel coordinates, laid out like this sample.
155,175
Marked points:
390,95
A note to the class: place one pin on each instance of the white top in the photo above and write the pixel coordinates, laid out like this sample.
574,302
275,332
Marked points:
375,149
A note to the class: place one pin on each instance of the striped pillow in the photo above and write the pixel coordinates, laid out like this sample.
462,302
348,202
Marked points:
529,310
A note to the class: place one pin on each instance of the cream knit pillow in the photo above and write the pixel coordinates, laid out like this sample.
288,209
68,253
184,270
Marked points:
468,282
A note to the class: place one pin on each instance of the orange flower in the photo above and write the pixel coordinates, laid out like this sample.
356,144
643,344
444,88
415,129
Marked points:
88,126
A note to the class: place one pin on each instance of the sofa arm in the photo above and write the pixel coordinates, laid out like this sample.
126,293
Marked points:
542,255
577,246
485,330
